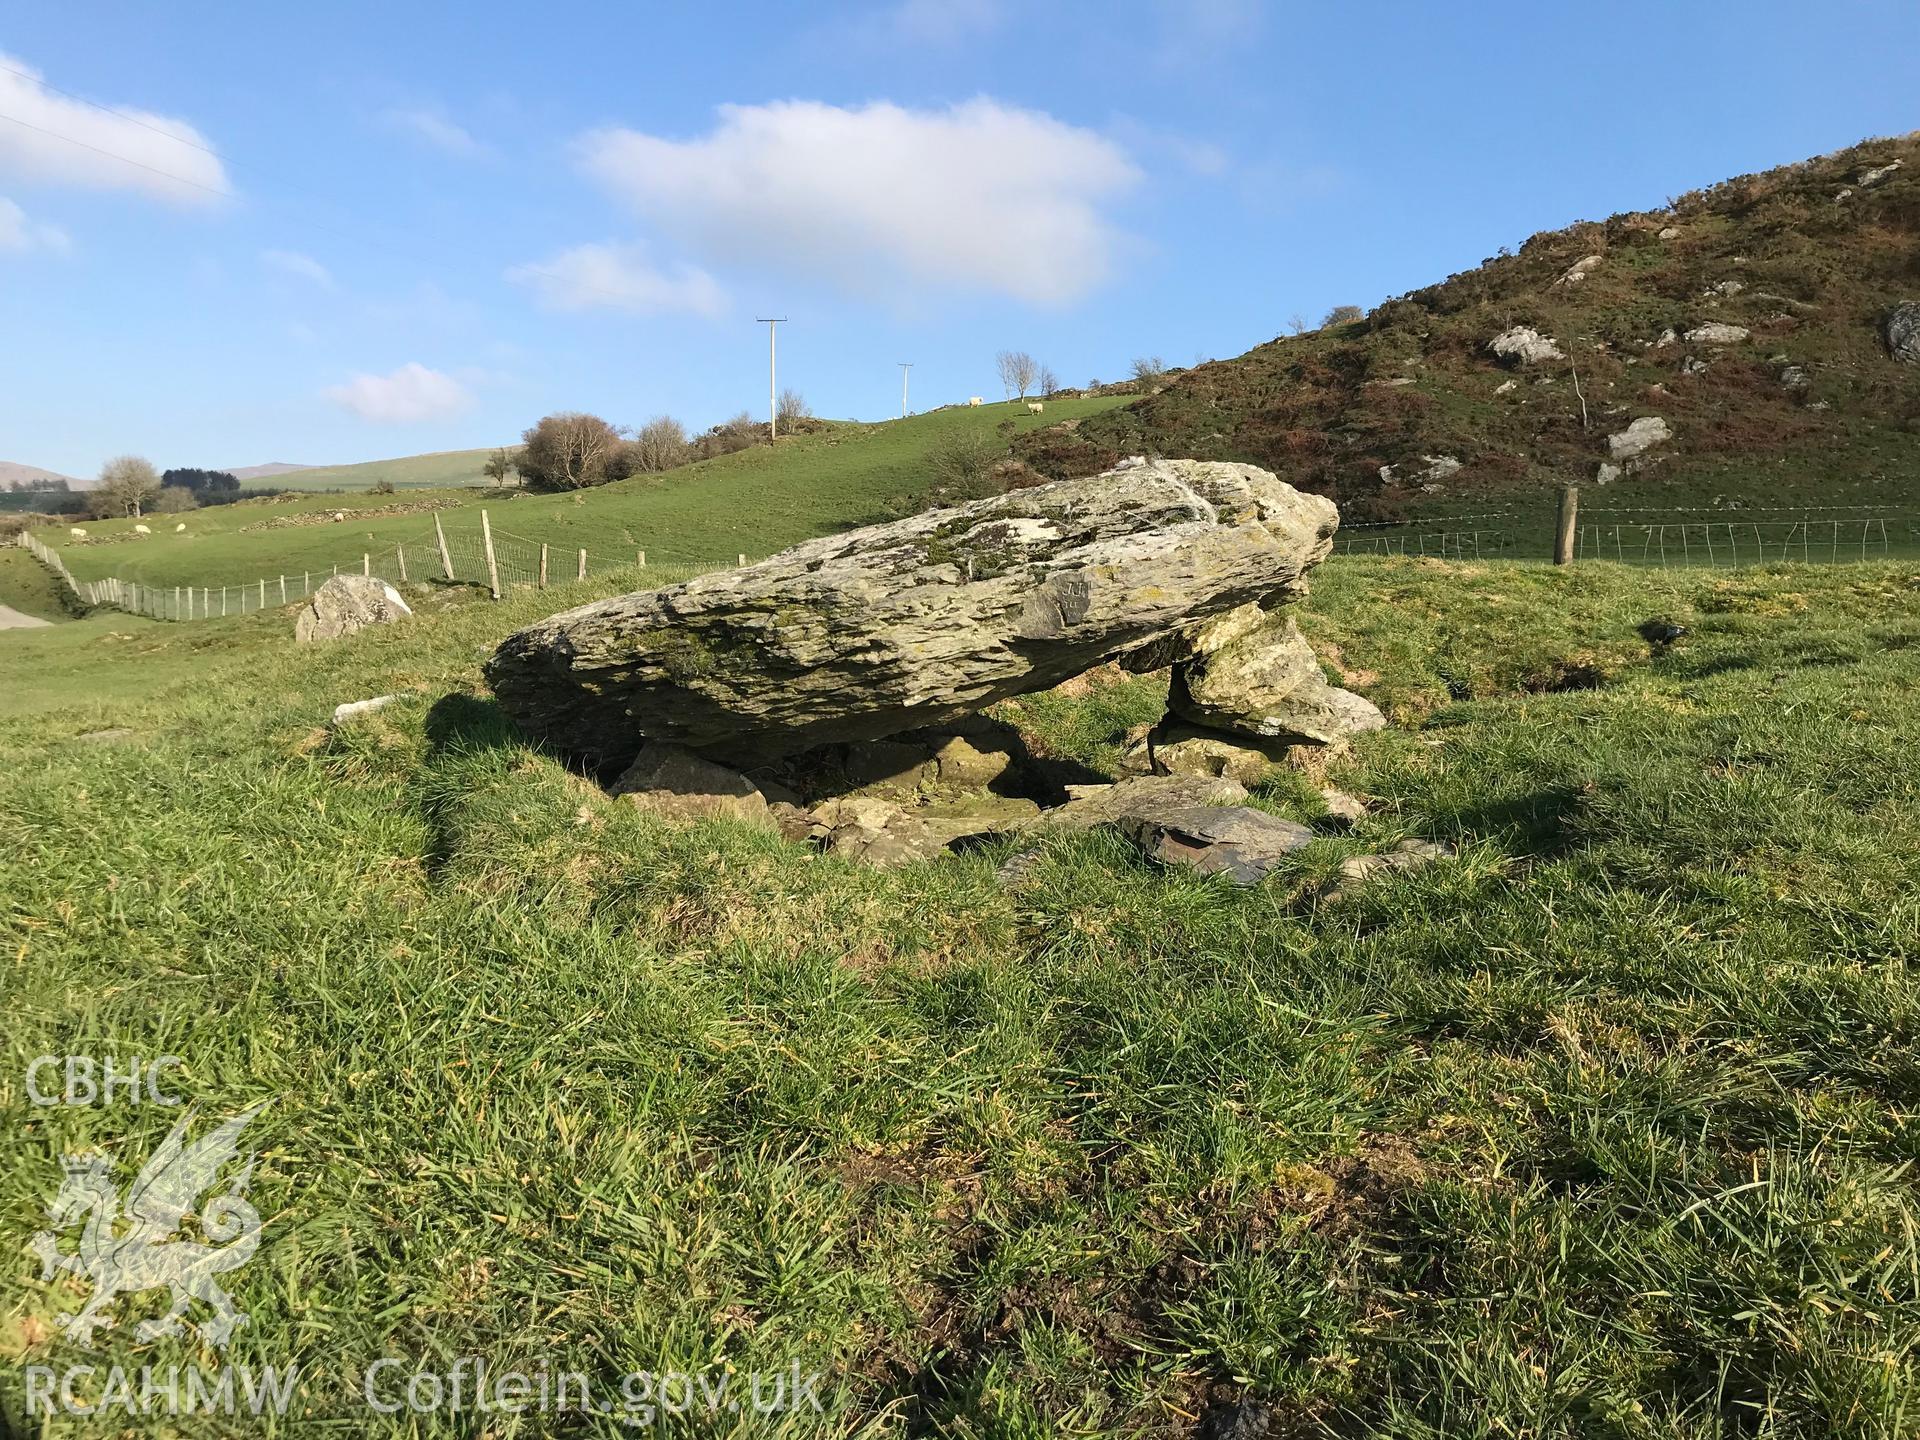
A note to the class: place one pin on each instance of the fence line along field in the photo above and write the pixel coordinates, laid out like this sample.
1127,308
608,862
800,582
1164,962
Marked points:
754,501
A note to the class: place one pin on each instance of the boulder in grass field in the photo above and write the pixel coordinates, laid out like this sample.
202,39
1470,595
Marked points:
915,623
346,604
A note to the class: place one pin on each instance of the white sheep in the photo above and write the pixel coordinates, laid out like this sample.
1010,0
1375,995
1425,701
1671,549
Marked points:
142,530
1034,407
181,526
975,400
77,533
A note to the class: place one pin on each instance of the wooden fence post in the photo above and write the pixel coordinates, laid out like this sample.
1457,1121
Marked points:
640,559
743,560
176,603
400,552
543,564
223,600
493,567
446,560
583,566
283,589
1569,517
366,563
263,593
306,581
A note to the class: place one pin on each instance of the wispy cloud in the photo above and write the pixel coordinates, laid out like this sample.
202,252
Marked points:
618,277
882,200
941,23
430,127
301,267
21,235
55,140
407,396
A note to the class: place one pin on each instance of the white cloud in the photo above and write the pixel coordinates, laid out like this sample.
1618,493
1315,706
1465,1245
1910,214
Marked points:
884,200
301,267
21,236
432,128
618,277
411,394
120,149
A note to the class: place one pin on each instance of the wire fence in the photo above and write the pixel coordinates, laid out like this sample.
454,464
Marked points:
489,559
498,560
1741,542
1814,536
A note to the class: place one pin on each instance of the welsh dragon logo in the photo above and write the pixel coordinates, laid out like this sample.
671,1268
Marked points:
124,1251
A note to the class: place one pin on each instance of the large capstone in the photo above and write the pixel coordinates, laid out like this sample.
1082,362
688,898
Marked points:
917,622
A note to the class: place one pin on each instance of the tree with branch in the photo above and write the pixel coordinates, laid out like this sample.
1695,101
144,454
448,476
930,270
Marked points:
1017,372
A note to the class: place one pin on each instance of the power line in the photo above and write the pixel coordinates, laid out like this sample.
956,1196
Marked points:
120,115
123,159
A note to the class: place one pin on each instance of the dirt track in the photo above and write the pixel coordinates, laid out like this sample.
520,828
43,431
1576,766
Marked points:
11,619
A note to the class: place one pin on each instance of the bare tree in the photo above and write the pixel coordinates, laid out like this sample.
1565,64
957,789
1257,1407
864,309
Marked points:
1297,323
1148,367
500,464
793,406
570,451
660,445
126,484
1343,315
1017,372
1048,381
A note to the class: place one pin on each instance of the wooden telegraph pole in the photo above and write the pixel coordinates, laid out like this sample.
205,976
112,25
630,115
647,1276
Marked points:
905,366
773,394
1563,533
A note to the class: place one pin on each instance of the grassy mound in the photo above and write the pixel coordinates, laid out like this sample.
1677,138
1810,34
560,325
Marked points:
1602,1128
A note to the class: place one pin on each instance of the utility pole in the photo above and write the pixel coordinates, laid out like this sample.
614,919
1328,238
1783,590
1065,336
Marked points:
773,395
905,366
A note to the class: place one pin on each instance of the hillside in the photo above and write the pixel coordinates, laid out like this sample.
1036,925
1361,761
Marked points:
756,500
262,472
406,472
1410,409
12,471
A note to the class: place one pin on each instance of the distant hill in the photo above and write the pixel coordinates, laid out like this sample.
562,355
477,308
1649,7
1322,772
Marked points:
262,472
12,470
1747,320
439,469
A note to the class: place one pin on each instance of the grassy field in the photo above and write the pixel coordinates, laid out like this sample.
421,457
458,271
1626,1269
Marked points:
1603,1129
757,501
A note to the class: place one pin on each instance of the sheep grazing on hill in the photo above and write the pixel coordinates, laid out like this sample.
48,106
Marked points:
1034,407
975,400
76,533
142,530
181,526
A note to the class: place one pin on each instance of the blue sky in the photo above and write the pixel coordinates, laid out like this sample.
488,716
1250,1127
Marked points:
348,231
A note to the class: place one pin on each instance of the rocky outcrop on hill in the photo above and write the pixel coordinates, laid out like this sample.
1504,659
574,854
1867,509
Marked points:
1520,368
917,622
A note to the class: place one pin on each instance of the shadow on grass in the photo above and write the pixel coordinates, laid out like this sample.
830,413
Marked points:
460,730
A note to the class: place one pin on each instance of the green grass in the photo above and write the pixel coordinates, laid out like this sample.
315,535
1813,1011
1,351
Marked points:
29,587
756,501
1602,1129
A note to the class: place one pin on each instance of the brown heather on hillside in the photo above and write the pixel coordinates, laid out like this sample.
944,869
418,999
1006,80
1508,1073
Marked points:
1808,409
